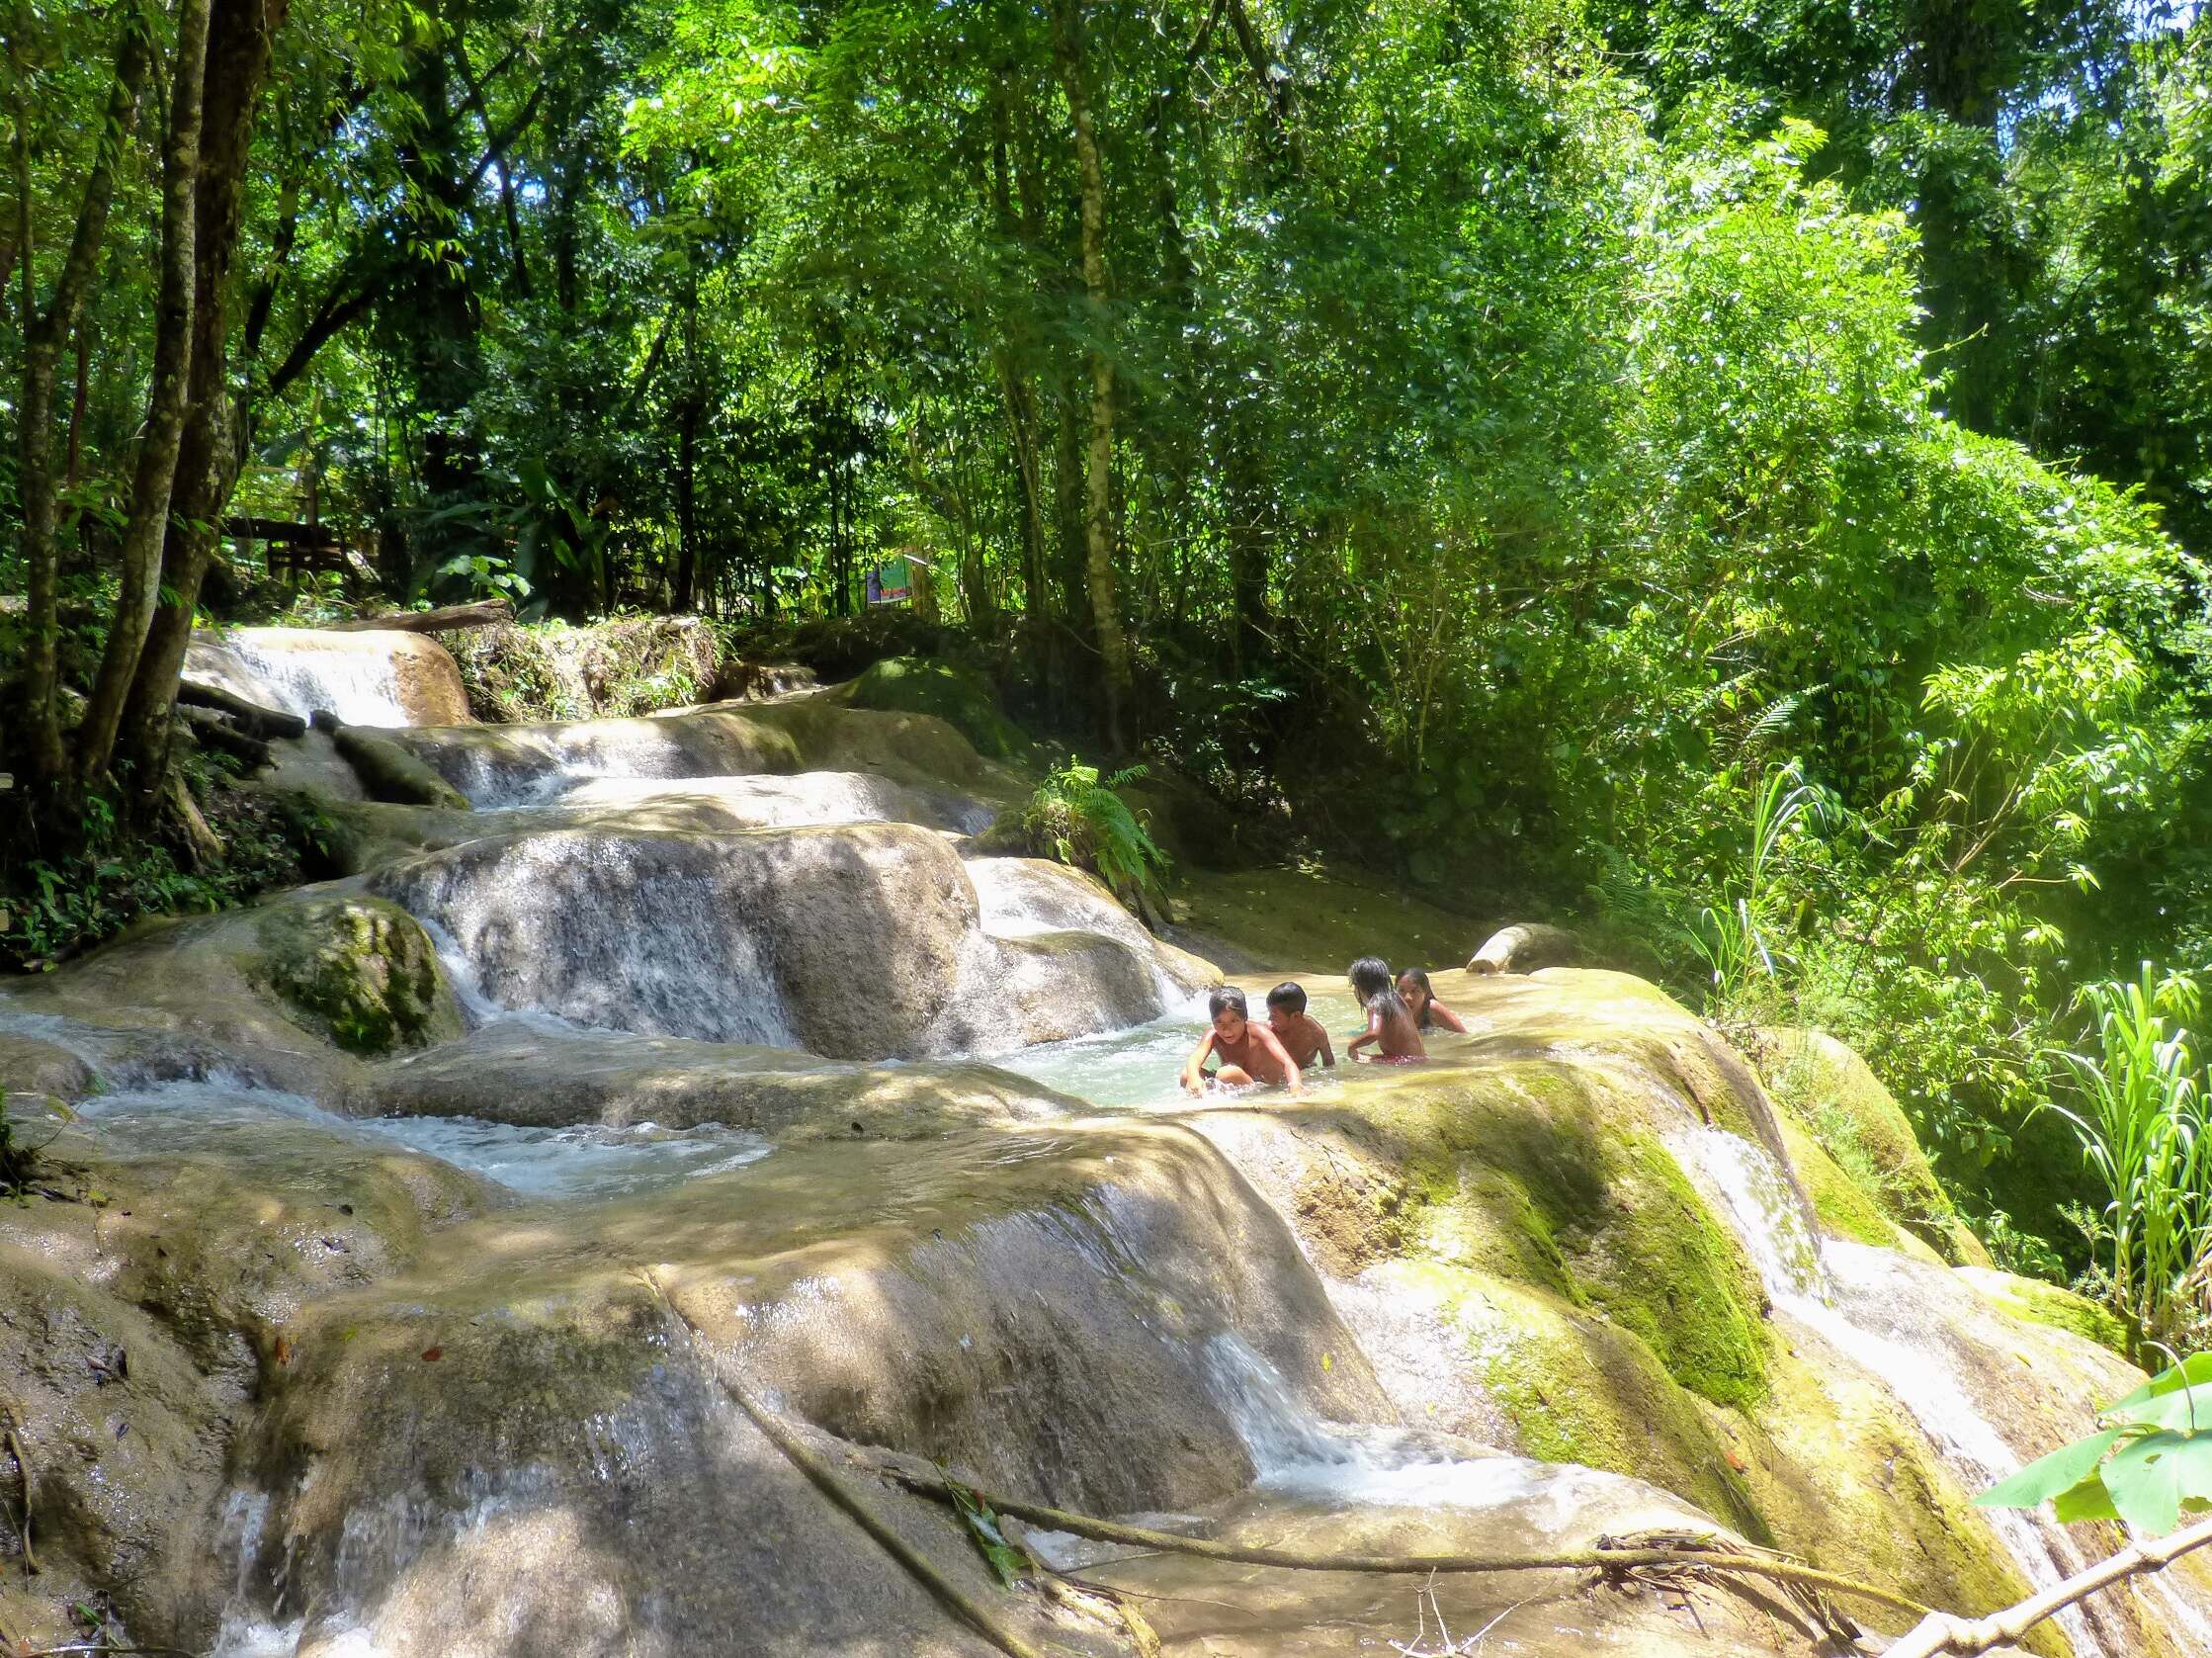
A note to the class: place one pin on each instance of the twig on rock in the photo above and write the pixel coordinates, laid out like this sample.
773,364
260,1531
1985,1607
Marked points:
1969,1636
14,1441
802,1456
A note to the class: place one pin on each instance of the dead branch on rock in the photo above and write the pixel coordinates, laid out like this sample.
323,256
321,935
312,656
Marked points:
385,769
1613,1557
1941,1633
213,729
1522,946
802,1456
485,613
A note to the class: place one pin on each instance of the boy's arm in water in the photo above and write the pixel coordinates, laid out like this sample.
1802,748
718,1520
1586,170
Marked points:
1373,1033
1194,1068
1444,1018
1274,1046
1328,1054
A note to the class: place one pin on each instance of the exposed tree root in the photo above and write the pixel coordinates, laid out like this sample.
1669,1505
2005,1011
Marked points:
947,1593
14,1441
1611,1557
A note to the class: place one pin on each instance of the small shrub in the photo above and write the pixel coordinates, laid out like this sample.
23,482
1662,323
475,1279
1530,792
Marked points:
1076,817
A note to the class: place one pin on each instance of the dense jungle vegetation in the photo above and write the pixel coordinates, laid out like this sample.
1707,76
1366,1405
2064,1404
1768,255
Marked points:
1732,477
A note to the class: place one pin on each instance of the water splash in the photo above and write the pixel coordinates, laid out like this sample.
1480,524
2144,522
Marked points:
1297,1454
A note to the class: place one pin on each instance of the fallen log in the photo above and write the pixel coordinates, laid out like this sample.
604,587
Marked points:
213,729
252,718
386,770
484,613
1525,947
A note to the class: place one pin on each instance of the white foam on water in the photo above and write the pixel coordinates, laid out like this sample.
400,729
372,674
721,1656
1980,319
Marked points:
1296,1453
588,1160
357,683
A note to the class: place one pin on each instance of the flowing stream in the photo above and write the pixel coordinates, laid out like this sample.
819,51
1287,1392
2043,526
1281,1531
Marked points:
674,908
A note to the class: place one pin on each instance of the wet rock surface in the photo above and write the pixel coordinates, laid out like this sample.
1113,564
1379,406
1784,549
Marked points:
419,1237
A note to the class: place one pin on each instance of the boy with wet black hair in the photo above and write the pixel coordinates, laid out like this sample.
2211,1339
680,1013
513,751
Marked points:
1301,1034
1248,1052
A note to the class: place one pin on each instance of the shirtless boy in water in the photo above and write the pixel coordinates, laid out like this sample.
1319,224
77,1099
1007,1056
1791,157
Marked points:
1248,1052
1301,1034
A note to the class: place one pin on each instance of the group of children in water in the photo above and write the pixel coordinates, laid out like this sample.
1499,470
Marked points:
1246,1051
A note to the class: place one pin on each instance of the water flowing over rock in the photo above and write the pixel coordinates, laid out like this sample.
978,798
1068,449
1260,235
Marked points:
421,1239
374,677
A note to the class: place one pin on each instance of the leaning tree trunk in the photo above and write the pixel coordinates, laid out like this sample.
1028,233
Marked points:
1098,565
240,34
43,334
165,402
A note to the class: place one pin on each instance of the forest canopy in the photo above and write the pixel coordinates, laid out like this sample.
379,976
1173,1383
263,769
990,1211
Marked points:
1512,443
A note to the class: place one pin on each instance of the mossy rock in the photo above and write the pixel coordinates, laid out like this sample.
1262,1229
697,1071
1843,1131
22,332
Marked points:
1578,1390
960,696
1839,1100
2048,1304
1535,1175
360,970
1839,1205
1844,1477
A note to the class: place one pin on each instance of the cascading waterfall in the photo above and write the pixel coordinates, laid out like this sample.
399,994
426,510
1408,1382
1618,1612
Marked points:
1835,1289
360,684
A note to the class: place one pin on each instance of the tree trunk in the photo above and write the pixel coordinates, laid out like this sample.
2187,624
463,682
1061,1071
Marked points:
73,468
43,334
165,402
687,458
240,36
1113,643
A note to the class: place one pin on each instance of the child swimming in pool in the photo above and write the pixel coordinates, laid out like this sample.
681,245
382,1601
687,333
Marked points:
1390,1026
1301,1034
1428,1012
1248,1052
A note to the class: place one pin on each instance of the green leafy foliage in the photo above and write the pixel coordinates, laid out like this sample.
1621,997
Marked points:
1076,816
983,1529
2143,1132
2151,1465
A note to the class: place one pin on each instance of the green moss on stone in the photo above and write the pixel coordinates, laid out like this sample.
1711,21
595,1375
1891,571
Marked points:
959,696
362,970
1839,1204
2048,1304
1527,1176
1842,1104
1580,1390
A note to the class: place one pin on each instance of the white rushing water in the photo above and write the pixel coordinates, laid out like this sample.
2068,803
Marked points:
588,1160
354,676
1841,1290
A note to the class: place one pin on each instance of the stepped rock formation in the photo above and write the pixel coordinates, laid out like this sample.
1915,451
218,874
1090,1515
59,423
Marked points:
417,1235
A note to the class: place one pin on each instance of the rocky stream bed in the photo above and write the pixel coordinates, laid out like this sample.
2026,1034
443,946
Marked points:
419,1234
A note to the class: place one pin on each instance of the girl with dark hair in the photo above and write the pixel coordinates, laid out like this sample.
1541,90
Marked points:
1388,1024
1428,1012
